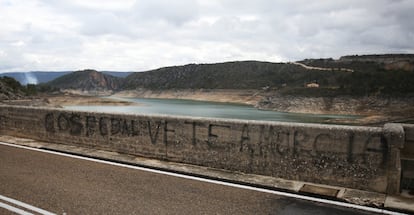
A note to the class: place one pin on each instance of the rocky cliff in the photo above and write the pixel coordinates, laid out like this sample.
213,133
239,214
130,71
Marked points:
87,80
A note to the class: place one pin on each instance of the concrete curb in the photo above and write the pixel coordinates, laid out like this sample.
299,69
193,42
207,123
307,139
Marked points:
401,203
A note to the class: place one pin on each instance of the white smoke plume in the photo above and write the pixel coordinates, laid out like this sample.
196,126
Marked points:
30,78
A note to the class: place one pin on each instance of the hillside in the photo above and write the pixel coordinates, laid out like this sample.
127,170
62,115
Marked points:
117,74
86,80
229,75
39,77
10,89
34,77
372,75
378,86
367,63
366,75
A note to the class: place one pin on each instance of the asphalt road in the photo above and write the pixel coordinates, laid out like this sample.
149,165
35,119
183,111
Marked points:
68,185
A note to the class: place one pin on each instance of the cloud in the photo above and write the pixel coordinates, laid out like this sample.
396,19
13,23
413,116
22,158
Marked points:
136,35
103,23
174,12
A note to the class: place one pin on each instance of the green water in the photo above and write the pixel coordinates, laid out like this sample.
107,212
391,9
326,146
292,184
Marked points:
180,107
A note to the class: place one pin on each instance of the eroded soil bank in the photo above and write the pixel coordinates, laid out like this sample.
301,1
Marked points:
61,100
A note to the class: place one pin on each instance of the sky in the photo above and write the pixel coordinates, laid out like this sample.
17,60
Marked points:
138,35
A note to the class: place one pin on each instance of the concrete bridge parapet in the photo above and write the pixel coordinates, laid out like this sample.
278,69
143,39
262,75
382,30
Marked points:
365,158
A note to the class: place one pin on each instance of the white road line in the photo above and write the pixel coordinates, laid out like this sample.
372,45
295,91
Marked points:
25,205
280,193
13,209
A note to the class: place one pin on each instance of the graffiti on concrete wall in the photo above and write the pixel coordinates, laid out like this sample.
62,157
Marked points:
255,140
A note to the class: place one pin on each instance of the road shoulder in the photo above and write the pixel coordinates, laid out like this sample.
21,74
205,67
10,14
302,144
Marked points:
403,203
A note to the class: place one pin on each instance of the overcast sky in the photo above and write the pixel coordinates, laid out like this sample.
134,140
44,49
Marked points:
138,35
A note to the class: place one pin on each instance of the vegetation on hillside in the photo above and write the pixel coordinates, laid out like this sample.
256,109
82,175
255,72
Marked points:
374,75
230,75
381,75
12,89
368,78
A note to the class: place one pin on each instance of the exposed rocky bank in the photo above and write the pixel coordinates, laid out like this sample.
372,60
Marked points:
375,110
249,97
335,105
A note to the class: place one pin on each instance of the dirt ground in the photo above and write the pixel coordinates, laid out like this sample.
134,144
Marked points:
67,100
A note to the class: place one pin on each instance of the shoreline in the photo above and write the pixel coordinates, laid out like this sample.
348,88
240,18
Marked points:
246,97
377,115
58,101
73,100
374,111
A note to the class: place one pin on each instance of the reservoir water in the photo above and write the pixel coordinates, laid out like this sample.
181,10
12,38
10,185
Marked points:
179,107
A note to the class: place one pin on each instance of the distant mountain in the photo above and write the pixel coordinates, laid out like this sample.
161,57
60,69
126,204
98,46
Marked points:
38,77
86,80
